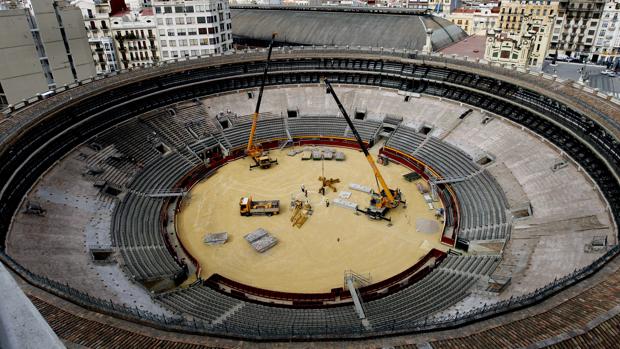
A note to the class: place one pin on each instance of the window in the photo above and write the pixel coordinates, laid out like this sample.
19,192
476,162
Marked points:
200,20
173,43
211,30
199,8
195,52
158,9
160,21
162,32
179,9
169,21
202,30
204,52
204,41
189,20
181,32
164,43
179,20
191,31
167,9
183,42
189,9
184,53
170,32
193,42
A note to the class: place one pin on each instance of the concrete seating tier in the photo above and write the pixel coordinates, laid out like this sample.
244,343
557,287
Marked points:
317,126
480,265
203,144
440,289
244,317
367,129
133,139
161,174
482,203
136,226
405,139
167,127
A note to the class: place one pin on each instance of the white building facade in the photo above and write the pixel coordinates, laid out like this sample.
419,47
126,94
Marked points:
607,44
192,28
135,38
97,23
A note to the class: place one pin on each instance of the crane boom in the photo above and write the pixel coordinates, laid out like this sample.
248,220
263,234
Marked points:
371,161
251,149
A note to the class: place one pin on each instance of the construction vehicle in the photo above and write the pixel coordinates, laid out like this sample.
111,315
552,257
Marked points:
249,207
255,151
386,198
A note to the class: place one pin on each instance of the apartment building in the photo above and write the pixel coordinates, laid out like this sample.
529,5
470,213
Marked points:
523,33
192,28
575,28
43,44
135,38
522,48
97,23
607,42
475,21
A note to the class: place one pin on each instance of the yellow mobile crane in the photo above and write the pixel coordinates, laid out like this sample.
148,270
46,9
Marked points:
387,198
261,159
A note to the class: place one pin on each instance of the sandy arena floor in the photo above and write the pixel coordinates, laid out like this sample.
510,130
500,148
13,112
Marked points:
312,258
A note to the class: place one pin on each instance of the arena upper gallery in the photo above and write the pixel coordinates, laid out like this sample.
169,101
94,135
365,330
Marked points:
96,179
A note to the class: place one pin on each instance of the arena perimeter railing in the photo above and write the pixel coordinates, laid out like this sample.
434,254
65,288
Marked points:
298,331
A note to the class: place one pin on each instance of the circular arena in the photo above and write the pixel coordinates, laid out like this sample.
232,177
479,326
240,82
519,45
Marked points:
121,200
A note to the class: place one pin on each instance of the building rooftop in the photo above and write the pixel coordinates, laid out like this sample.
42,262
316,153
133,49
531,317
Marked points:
386,28
471,46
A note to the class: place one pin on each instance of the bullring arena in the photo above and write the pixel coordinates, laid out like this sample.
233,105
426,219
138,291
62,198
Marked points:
110,186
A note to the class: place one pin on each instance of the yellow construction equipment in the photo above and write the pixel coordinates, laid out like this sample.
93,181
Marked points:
249,207
255,151
387,198
328,183
301,212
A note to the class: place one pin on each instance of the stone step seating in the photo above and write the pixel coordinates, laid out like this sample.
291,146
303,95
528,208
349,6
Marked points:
115,171
203,144
438,290
131,139
136,226
405,139
270,128
161,174
168,128
482,202
192,116
366,128
479,265
207,304
484,206
199,301
317,125
275,320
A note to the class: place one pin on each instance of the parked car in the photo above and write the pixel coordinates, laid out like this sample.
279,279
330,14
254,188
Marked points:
609,72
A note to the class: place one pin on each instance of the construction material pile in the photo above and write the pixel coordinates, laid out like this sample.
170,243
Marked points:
261,240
